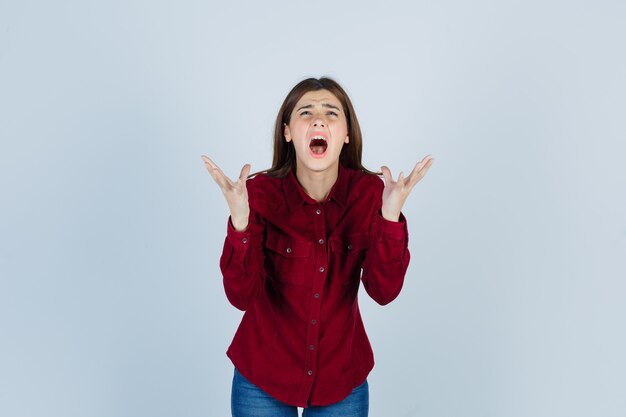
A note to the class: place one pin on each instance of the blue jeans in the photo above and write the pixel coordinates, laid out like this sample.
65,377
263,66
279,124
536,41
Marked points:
248,400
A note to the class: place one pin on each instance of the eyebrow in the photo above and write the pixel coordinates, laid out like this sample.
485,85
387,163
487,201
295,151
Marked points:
308,106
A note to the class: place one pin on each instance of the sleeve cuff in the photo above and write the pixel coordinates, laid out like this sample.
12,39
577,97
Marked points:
396,230
238,239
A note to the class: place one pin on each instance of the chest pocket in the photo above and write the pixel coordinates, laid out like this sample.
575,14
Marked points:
348,253
287,258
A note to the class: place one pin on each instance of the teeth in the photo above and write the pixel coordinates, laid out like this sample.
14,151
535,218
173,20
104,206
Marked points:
318,137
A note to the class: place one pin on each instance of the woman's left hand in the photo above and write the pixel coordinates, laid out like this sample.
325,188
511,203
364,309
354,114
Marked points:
396,192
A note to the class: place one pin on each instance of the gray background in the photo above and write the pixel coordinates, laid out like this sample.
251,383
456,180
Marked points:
111,301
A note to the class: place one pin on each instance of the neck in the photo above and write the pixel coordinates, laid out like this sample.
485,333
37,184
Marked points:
317,185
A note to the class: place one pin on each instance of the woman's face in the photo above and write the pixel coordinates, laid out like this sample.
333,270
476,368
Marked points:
318,128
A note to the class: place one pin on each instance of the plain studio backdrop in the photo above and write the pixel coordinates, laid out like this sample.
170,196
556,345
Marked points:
111,297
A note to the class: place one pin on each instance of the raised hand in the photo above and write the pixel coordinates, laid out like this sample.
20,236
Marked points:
236,193
396,192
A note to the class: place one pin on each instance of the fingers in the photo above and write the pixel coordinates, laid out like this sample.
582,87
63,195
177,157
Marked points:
207,161
425,165
225,183
414,173
213,169
210,165
244,173
387,174
218,175
427,160
417,173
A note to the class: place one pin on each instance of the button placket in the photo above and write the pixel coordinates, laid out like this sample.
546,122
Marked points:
316,292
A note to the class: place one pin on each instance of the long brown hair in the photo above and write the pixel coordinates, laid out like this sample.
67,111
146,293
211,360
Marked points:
285,153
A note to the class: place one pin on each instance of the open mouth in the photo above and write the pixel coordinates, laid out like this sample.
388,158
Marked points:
318,145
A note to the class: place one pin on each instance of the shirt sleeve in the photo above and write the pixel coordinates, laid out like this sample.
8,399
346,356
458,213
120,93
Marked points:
387,257
242,259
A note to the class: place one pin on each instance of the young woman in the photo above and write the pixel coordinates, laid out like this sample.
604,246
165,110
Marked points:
300,238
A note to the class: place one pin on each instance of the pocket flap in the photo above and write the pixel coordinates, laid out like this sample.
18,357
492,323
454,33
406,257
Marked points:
350,243
288,247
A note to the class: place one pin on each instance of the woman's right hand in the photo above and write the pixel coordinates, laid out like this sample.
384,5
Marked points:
236,193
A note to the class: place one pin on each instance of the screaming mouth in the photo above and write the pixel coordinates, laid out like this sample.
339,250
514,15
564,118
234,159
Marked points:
318,145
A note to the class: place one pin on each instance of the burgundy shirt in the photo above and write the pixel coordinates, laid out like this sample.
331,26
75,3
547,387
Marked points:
296,271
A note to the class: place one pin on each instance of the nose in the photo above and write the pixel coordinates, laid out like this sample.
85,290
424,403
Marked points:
319,123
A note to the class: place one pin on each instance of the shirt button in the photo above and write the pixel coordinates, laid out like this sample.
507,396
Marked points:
288,250
311,347
349,247
316,295
310,372
318,211
244,240
313,321
321,241
321,269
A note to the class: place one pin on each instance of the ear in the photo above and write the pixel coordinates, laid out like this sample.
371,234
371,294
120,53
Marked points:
347,139
287,132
